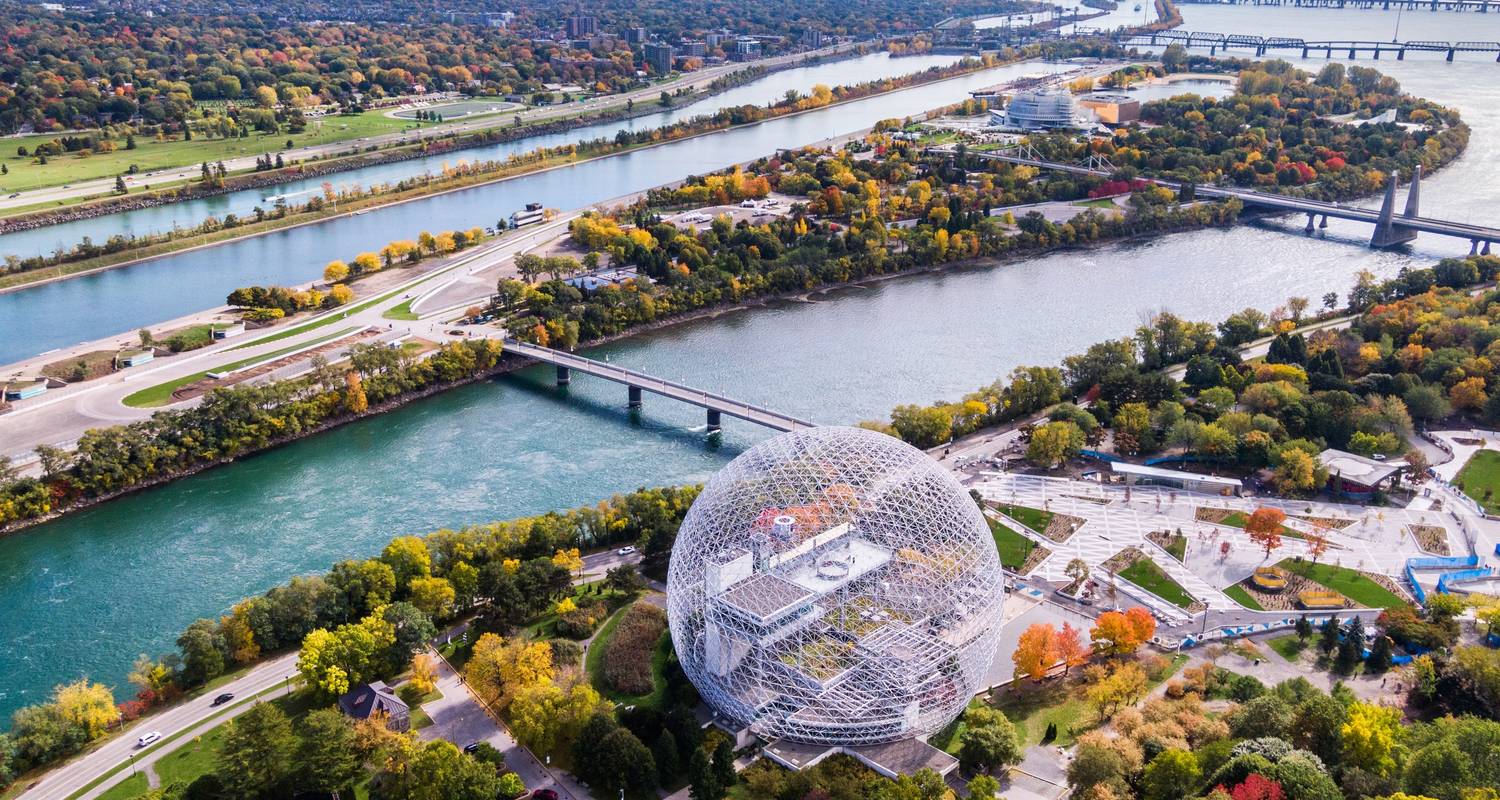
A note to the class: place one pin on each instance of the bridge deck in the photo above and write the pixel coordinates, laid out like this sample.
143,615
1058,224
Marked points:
769,418
1298,204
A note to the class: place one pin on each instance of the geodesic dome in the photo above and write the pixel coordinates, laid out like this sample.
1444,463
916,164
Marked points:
835,586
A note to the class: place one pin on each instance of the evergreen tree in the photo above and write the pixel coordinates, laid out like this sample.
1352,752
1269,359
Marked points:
702,784
1329,636
664,750
1304,628
1380,655
724,774
258,754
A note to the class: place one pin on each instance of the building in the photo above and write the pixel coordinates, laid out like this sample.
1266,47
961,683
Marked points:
1356,477
1111,109
371,699
688,47
811,38
134,357
719,37
24,389
747,49
582,25
659,56
1139,474
836,588
599,279
636,35
1042,109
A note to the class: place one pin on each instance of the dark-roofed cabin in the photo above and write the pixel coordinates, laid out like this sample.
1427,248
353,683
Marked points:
374,698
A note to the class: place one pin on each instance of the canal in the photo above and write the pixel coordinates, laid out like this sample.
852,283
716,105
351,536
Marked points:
44,317
87,593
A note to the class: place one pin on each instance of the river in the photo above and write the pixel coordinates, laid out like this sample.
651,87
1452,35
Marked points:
85,594
44,317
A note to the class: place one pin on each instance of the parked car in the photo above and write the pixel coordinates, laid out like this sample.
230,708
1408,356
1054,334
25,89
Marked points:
626,550
472,747
148,737
223,698
544,794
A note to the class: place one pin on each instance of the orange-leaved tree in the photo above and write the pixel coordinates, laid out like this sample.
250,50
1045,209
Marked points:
1071,648
1036,651
1264,527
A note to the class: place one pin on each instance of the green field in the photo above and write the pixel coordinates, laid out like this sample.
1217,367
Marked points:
161,393
1238,594
1347,582
1480,479
1098,202
1013,547
1033,518
1288,647
1146,574
402,311
150,155
1177,546
133,786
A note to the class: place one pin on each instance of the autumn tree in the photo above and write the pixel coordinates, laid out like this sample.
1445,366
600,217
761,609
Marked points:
1036,651
336,272
1071,648
1264,527
1116,633
1054,443
354,393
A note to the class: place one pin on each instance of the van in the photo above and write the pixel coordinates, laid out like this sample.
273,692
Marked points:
149,737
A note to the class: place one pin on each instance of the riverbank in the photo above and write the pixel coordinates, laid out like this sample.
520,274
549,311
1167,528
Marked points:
504,171
624,106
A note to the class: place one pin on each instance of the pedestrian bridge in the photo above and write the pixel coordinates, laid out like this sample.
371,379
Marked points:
636,383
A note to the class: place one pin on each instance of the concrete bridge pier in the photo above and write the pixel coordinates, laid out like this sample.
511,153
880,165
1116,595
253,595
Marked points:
1485,250
1401,54
1324,222
1309,228
714,422
635,397
564,375
1473,247
1450,54
1387,232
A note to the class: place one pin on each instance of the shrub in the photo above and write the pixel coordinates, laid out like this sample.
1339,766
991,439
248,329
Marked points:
581,622
627,657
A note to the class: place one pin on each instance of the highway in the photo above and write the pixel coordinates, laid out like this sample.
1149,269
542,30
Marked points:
692,81
196,716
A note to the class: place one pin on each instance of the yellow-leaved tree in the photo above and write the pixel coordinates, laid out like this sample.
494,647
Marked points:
88,705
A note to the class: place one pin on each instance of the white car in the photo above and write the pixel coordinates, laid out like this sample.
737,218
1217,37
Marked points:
149,737
626,550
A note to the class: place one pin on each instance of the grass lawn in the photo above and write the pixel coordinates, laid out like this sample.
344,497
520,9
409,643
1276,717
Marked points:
1098,202
194,758
1346,582
1289,646
1014,548
1146,574
133,786
402,312
1033,518
1480,479
161,393
1238,594
419,718
150,155
593,664
1177,546
95,365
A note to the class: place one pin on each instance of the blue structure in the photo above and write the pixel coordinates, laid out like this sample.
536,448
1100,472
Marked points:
1462,568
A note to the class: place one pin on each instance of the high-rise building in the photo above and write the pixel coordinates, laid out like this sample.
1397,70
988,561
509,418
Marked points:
812,37
718,37
688,47
582,25
659,55
635,35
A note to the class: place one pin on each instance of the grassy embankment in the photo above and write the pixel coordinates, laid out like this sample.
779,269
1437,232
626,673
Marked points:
1480,479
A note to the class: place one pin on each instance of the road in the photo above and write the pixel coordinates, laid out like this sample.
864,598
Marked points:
60,416
460,718
193,717
692,81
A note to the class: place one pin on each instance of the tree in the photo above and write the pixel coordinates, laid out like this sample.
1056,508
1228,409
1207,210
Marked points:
1054,443
497,668
335,272
423,673
203,652
408,557
327,755
1328,638
1317,726
86,705
1071,649
1380,655
1036,651
702,784
1115,634
1371,738
1173,774
1078,570
1264,527
989,741
434,596
355,401
723,763
664,753
1119,687
627,764
983,787
334,661
1266,715
258,754
437,769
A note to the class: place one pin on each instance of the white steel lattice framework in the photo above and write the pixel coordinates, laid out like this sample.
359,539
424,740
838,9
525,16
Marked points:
835,586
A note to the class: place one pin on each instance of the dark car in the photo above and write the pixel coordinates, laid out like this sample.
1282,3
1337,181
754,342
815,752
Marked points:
223,698
544,794
472,747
